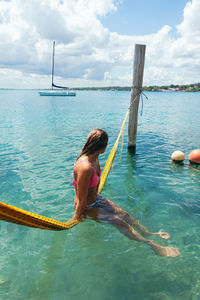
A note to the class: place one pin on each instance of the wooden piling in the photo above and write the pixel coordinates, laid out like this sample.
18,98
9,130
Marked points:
138,69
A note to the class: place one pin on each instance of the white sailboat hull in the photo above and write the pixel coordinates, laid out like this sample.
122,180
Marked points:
57,93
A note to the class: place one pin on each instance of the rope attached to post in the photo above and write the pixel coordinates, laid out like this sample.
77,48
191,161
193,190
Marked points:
113,151
140,93
111,157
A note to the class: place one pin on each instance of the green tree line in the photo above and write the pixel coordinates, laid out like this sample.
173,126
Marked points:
195,87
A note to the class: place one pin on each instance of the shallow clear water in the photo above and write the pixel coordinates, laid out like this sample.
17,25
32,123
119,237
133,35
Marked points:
40,138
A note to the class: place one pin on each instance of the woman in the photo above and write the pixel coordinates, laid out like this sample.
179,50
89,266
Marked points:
89,203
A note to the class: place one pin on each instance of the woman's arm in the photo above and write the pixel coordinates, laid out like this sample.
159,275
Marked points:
84,174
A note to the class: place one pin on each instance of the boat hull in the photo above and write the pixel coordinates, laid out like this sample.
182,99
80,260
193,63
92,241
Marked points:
57,93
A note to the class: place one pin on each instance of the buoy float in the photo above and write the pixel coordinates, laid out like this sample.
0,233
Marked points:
178,156
194,156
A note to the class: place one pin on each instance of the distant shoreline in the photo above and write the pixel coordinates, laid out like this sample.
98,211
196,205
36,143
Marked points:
165,88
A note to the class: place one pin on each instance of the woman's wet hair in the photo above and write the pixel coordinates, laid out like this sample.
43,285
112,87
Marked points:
96,140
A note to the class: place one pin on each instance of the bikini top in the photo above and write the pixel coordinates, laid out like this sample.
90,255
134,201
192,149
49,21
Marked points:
95,178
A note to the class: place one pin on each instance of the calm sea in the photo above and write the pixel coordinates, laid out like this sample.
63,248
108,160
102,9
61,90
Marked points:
40,138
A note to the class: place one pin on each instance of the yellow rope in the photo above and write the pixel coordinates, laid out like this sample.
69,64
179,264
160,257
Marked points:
111,157
19,216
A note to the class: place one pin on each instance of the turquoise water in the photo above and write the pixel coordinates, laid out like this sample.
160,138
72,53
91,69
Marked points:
40,138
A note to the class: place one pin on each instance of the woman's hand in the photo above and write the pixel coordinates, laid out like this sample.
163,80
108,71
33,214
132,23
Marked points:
82,218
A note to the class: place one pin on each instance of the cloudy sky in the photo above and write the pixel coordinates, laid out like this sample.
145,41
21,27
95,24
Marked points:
95,42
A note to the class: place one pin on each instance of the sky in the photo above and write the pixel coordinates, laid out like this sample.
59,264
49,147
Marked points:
95,42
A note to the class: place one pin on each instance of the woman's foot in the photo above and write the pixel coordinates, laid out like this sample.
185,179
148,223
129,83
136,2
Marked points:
163,235
164,251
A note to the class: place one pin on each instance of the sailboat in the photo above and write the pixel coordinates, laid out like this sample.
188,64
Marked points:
60,90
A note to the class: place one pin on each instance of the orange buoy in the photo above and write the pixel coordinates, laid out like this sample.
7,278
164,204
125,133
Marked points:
194,156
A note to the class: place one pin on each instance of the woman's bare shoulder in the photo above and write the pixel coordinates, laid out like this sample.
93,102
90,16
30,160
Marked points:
82,166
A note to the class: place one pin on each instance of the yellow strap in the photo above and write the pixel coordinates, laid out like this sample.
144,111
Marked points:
19,216
16,215
111,157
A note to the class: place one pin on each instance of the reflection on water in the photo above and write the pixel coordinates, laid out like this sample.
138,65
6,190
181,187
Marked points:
40,140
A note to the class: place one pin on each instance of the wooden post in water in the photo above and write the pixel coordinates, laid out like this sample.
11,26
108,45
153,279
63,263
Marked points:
138,69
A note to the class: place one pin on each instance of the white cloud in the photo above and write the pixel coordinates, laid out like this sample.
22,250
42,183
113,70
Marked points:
86,52
190,27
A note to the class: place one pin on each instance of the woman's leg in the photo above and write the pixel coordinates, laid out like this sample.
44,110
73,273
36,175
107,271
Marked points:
144,231
115,209
100,214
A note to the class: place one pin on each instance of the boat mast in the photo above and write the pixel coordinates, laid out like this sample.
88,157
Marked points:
52,73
